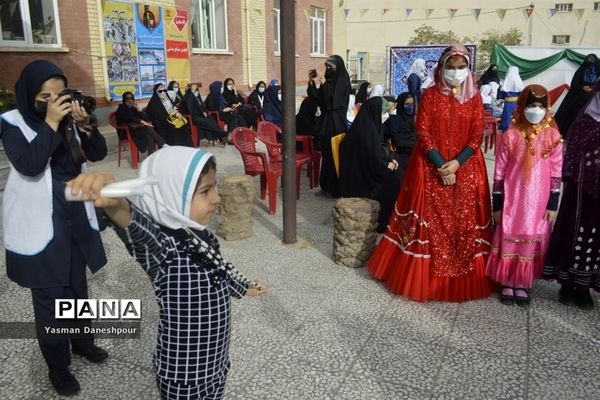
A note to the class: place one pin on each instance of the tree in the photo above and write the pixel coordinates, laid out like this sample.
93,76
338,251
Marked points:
485,42
427,35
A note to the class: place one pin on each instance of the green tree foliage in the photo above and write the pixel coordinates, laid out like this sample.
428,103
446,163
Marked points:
485,42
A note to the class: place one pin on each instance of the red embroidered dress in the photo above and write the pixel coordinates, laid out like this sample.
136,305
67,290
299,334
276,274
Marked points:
438,237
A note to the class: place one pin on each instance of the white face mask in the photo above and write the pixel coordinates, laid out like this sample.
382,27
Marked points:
455,76
534,114
229,87
176,89
318,113
279,96
261,89
369,89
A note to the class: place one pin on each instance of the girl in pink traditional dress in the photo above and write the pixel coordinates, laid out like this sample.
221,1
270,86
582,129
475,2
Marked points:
525,196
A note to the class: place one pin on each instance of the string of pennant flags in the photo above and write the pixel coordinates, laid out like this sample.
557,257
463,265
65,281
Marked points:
452,12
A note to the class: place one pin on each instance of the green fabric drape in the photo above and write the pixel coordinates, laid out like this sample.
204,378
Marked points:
502,57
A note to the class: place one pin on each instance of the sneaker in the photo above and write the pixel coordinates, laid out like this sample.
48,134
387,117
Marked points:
583,299
566,295
63,381
93,353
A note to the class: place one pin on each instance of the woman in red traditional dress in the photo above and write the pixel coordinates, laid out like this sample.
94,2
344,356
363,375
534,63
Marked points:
438,237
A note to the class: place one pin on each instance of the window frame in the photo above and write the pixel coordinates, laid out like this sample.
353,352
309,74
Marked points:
213,30
568,7
596,6
28,31
277,28
567,39
315,20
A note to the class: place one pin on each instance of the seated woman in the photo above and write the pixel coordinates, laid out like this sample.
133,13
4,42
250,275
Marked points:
164,116
236,101
399,130
144,135
363,93
194,106
307,122
216,102
174,93
366,167
257,97
272,109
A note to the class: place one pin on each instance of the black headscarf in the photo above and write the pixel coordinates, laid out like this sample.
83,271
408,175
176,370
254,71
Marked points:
272,103
340,83
400,128
362,95
230,95
215,96
490,75
306,121
362,159
31,80
156,109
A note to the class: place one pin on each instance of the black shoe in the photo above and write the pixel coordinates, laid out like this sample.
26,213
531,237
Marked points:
63,381
583,299
93,353
522,301
507,299
566,295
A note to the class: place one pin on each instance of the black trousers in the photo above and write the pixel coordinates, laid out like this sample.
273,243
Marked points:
55,348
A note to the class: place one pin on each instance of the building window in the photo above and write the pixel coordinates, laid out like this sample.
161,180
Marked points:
277,25
561,39
563,7
209,24
317,30
29,22
597,6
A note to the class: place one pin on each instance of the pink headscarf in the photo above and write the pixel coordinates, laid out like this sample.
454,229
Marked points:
468,87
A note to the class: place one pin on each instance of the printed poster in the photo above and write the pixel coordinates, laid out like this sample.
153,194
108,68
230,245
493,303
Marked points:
151,47
177,45
121,49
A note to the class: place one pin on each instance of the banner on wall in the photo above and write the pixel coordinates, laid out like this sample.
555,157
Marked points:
177,45
121,49
151,47
402,57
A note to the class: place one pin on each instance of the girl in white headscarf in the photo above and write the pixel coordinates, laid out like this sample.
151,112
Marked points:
416,76
509,92
376,91
165,231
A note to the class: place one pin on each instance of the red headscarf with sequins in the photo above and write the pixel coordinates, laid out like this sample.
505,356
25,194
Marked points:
468,89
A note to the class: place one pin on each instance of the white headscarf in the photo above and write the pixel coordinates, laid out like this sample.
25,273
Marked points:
177,170
418,67
512,81
376,91
430,78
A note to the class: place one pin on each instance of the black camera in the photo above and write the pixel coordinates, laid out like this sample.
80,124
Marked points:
87,102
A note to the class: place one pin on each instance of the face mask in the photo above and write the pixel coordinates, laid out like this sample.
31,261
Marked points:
196,93
318,113
176,89
229,87
369,90
279,96
393,112
409,108
329,73
40,108
534,114
456,76
261,89
129,103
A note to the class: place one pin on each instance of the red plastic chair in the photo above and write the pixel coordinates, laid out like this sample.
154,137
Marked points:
124,129
267,133
193,131
217,117
490,130
257,164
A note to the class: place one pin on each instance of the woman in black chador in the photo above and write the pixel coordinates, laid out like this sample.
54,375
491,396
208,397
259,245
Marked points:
579,94
160,110
331,94
367,169
399,130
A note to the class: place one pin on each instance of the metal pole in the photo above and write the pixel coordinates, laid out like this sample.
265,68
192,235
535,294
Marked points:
530,26
288,81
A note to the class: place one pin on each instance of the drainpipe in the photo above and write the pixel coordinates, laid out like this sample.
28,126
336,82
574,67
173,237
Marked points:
248,59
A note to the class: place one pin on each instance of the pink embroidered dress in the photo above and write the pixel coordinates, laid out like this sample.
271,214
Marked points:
527,177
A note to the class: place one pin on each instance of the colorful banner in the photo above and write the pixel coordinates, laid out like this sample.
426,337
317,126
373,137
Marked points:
501,13
177,44
428,12
452,12
151,47
121,49
551,12
476,12
408,11
346,11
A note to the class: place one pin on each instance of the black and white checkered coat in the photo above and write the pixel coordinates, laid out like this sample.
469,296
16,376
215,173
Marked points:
195,311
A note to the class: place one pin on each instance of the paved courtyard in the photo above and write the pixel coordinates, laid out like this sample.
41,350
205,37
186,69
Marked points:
327,331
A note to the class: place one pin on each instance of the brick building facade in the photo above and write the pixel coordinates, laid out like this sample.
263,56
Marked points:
250,53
